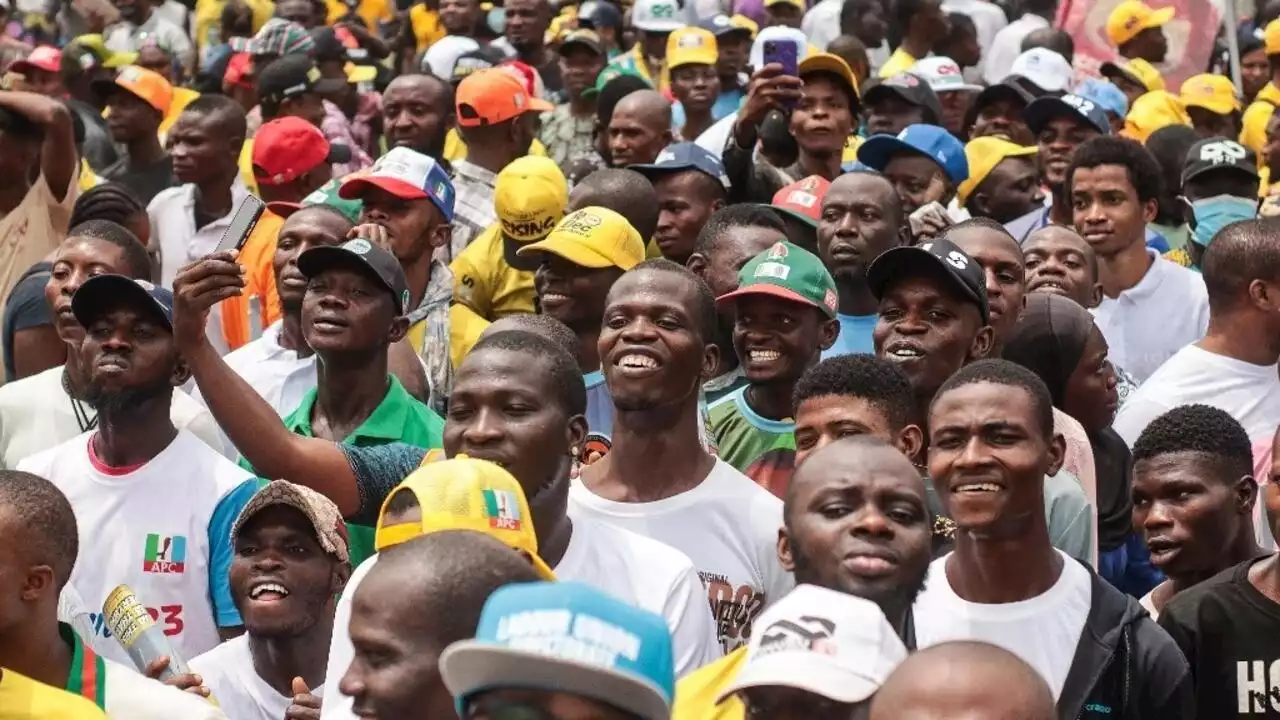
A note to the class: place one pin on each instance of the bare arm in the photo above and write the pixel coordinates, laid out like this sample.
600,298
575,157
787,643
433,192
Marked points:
251,424
58,156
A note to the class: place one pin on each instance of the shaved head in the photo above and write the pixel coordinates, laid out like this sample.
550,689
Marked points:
625,192
639,128
964,681
648,106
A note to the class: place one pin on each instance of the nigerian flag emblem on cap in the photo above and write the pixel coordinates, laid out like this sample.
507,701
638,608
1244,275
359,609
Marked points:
788,272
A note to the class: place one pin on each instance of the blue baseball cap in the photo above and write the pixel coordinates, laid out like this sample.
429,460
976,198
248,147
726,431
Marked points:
684,156
1105,94
1042,110
930,141
566,637
721,25
104,293
407,174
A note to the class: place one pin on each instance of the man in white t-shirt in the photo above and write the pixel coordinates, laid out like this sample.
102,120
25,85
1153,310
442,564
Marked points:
991,445
1151,308
657,343
49,408
154,504
38,532
290,564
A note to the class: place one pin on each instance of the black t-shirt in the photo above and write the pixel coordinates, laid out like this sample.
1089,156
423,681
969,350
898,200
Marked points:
1230,635
145,182
26,308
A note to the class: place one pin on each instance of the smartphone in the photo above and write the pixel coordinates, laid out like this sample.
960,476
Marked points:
784,53
242,224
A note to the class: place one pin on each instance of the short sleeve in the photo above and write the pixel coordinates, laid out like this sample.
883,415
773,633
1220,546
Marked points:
378,470
470,286
221,551
26,307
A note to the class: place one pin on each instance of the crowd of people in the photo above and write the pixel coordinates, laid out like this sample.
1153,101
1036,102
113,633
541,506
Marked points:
692,359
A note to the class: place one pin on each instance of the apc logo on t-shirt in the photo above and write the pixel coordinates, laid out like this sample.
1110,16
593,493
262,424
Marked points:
165,554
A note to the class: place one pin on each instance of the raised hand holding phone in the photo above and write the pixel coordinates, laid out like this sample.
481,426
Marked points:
242,224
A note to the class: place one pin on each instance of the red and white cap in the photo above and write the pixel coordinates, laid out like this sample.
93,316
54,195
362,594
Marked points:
943,75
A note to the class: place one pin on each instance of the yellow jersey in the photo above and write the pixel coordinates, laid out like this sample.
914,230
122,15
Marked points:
208,20
370,11
426,26
899,62
696,692
182,97
246,166
485,288
22,698
1253,134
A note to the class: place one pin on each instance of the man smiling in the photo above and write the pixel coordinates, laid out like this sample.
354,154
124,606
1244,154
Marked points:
784,317
1059,261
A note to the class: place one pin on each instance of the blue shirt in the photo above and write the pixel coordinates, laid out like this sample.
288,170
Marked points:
855,336
728,102
599,417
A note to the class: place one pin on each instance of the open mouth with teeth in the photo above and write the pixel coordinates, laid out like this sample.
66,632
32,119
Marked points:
636,361
763,356
904,352
268,592
1049,285
977,487
1162,549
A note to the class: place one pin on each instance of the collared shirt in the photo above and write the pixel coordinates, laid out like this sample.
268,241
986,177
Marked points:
124,36
473,206
281,377
429,334
1007,46
398,418
565,135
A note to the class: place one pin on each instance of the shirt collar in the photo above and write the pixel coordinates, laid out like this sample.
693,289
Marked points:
470,171
385,423
1150,282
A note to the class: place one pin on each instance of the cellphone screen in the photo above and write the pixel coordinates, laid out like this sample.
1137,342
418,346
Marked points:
242,224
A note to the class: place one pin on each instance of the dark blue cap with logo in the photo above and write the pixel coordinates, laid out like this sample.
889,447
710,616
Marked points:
931,141
1042,110
101,294
365,257
961,271
685,156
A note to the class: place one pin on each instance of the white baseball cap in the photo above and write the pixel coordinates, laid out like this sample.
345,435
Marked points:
821,641
1047,69
943,75
657,15
777,33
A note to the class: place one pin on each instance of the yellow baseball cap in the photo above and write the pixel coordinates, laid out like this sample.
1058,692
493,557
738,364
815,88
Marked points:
1271,38
1153,111
1214,93
827,62
1136,70
593,237
530,197
691,46
464,493
1132,17
984,154
746,23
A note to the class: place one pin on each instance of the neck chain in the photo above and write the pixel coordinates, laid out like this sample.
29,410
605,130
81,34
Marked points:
80,409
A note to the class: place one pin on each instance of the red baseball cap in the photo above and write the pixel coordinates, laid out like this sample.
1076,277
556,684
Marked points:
289,147
45,58
802,199
239,71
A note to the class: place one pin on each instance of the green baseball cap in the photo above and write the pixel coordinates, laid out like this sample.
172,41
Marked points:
608,73
326,194
789,272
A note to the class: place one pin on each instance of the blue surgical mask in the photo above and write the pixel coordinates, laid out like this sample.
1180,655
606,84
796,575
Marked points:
1214,213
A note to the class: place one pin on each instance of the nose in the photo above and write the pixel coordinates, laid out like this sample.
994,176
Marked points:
484,428
1093,214
352,683
910,324
847,227
638,330
993,285
332,300
871,522
971,455
1157,518
268,560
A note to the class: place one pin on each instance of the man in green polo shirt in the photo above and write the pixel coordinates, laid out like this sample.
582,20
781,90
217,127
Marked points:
352,312
40,540
784,314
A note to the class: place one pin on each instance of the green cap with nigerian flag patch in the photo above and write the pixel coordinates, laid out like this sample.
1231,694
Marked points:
789,272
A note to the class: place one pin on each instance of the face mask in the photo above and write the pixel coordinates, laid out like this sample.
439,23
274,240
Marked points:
1213,214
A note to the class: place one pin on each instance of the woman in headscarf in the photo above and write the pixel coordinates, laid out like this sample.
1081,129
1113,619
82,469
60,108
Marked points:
1057,339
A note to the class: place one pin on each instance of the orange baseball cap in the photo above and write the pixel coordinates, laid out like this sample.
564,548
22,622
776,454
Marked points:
149,86
493,96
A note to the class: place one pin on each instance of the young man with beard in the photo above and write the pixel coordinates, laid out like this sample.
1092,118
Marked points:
784,317
1150,308
656,347
862,216
526,24
991,446
417,113
1193,497
1227,626
1059,125
691,185
732,236
155,503
1003,184
38,527
290,564
855,522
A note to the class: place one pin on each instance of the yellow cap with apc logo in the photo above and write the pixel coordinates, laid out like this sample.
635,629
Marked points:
529,197
464,493
593,237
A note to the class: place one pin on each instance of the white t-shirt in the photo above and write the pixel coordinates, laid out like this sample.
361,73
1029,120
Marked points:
728,526
133,696
163,529
1043,631
1007,46
643,572
228,672
279,375
1145,325
988,20
36,414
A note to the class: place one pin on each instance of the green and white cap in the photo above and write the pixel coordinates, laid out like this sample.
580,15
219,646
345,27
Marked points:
789,272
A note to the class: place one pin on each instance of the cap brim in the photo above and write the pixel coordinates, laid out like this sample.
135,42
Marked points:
657,25
876,152
801,673
284,209
354,188
901,262
1245,169
106,292
23,67
471,666
316,260
580,43
539,105
825,63
874,93
773,291
808,221
1159,18
577,253
1218,106
1112,71
963,87
1038,114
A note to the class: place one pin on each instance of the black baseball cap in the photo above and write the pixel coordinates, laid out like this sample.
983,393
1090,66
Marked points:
596,14
1219,154
1007,89
474,61
291,76
103,293
330,47
361,255
964,272
582,38
910,88
1042,110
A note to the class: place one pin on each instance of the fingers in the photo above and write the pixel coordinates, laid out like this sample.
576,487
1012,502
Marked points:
156,667
299,687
